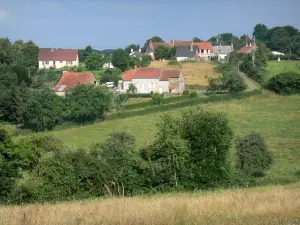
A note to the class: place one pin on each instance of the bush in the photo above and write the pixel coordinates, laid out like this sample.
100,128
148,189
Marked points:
157,99
253,157
186,92
193,94
286,83
43,111
86,103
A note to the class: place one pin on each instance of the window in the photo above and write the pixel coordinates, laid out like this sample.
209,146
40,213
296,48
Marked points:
60,61
46,62
69,62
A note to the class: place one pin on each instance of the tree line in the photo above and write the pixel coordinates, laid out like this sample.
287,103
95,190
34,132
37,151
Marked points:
189,152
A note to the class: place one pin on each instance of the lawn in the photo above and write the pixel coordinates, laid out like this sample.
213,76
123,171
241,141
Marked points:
195,72
277,118
275,205
275,67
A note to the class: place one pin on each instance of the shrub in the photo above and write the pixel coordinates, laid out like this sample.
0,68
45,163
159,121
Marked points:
131,89
186,92
209,138
253,157
157,99
193,94
286,83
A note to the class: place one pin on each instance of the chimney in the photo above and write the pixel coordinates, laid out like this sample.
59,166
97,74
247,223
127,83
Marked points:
131,50
52,50
250,44
140,50
173,42
192,44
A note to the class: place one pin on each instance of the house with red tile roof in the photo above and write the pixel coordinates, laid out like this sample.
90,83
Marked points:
247,49
58,58
206,50
70,80
154,80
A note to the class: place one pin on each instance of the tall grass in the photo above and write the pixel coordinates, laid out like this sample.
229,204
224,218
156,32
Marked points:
271,205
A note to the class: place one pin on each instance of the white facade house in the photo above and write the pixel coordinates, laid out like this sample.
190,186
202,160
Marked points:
222,52
58,58
153,80
186,52
277,53
108,66
206,50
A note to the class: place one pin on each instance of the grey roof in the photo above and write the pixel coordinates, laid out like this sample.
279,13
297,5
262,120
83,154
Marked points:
138,53
185,51
223,49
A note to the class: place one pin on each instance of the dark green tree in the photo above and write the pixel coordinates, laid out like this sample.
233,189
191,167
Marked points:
253,157
162,52
209,137
153,39
86,103
131,89
120,59
94,61
6,51
43,111
260,31
21,96
196,39
286,83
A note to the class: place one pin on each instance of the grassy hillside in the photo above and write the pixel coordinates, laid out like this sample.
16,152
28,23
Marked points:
276,117
275,67
266,205
195,72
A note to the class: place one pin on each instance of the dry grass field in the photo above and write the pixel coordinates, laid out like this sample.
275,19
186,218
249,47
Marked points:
194,72
264,205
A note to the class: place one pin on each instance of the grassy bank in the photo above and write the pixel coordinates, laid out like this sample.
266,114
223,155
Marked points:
265,205
277,118
275,67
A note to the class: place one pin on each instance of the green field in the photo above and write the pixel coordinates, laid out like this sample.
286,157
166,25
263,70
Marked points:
276,117
275,67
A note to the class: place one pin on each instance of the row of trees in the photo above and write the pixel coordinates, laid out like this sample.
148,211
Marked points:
189,152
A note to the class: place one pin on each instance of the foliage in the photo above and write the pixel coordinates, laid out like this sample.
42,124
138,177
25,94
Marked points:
172,52
186,92
157,99
43,111
86,103
231,80
162,52
132,47
131,89
94,61
253,157
21,95
285,83
120,100
260,31
196,39
85,53
111,75
193,94
209,138
214,84
153,39
120,59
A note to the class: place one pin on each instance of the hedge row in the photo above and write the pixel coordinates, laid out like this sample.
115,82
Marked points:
180,104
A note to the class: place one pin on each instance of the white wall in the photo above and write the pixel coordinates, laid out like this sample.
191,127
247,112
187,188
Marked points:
58,64
147,85
181,58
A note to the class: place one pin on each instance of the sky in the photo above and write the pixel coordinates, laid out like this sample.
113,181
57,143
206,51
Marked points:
118,23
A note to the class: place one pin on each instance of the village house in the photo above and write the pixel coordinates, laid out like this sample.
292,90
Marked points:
247,49
58,58
154,80
186,52
137,54
222,52
70,80
206,50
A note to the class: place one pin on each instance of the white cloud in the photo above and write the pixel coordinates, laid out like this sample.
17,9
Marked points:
3,15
